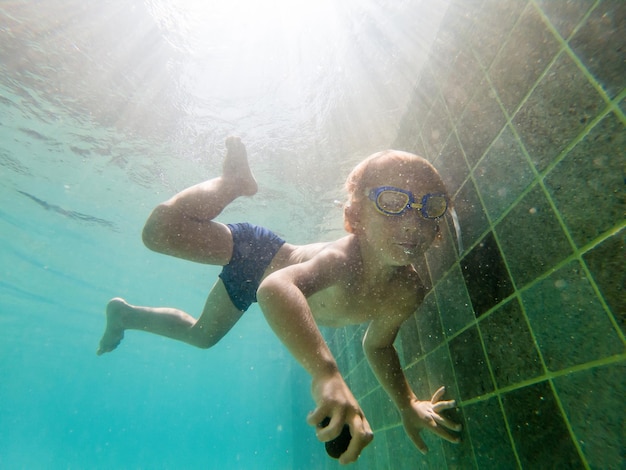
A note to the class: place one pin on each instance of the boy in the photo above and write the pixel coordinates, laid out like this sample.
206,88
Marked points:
395,202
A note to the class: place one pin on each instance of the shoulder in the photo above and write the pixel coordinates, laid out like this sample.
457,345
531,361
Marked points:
316,266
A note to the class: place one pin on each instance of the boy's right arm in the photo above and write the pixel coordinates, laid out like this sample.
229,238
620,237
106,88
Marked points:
282,297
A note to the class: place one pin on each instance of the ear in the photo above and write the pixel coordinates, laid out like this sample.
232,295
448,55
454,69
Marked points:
350,217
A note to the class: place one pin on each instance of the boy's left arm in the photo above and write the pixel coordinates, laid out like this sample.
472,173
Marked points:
416,415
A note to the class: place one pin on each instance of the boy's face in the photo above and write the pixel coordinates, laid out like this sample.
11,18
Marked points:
401,239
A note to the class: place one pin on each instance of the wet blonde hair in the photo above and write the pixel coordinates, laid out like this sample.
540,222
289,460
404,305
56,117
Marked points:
365,174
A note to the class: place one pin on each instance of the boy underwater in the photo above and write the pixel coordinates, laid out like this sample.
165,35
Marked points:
395,202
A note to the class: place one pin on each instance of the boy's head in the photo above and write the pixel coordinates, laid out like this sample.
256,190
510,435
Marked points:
389,168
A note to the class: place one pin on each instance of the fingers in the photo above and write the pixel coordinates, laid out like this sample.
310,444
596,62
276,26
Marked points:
444,405
361,436
360,431
443,421
327,425
438,394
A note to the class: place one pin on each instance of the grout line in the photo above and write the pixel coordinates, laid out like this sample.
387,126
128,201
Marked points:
568,425
610,360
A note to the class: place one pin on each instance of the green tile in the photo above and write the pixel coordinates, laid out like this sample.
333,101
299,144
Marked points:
558,109
460,84
470,365
443,253
593,401
600,45
486,277
429,324
531,238
568,321
454,303
460,454
494,22
436,130
418,379
565,16
471,214
510,347
481,122
607,263
403,455
526,54
451,164
441,374
539,432
411,347
486,426
503,174
588,184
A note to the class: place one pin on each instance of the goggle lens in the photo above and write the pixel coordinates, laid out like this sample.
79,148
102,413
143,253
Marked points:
392,202
434,206
395,201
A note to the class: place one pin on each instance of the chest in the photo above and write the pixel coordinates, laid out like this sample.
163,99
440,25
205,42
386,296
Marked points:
339,306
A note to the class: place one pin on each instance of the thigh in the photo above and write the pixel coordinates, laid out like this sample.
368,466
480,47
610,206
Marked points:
207,242
219,314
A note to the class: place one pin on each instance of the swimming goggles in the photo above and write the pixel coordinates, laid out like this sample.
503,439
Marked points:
395,201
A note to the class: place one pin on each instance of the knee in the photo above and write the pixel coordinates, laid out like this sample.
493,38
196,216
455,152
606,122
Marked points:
154,231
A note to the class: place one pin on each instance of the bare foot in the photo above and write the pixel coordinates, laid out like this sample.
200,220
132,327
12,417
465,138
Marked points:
114,332
236,167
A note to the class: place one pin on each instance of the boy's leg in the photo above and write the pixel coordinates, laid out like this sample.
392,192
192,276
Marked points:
183,226
218,317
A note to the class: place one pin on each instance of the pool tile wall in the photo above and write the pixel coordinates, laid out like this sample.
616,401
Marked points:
521,107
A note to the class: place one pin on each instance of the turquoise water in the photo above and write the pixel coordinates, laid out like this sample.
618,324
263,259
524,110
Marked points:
108,108
151,404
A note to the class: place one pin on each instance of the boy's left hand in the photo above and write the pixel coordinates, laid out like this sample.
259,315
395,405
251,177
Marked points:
425,415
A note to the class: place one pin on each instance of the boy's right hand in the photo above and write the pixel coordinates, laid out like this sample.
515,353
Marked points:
335,401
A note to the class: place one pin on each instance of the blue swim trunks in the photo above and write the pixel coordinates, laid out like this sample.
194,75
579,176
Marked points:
254,248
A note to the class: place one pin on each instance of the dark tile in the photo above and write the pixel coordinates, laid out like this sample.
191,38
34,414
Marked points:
470,366
588,184
510,347
460,84
490,439
429,324
565,15
607,263
409,338
403,455
557,111
454,303
531,238
570,325
600,44
526,54
593,401
539,432
451,164
444,253
485,275
493,25
471,214
461,454
417,376
481,122
441,374
436,130
503,174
